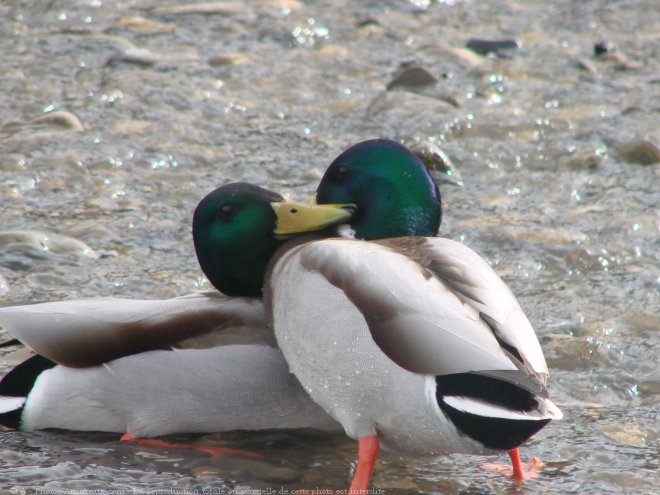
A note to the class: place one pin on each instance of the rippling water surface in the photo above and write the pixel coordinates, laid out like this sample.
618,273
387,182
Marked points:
116,117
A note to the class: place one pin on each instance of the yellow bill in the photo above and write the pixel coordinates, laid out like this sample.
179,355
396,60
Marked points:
294,217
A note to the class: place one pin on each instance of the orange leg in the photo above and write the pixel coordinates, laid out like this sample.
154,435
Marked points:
213,450
516,465
367,454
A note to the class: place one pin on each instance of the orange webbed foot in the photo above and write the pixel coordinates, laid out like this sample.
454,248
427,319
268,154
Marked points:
216,452
520,471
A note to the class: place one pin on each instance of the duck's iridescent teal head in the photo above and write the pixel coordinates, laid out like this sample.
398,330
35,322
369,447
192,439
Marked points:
238,227
394,193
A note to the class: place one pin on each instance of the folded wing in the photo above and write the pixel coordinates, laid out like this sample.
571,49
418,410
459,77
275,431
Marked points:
87,332
432,305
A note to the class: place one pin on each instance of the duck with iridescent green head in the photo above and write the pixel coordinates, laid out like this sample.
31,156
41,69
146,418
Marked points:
404,338
100,363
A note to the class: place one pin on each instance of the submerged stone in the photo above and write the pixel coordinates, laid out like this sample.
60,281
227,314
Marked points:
412,76
502,48
434,158
642,151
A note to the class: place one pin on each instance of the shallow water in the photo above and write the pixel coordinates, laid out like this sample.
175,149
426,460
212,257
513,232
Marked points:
548,141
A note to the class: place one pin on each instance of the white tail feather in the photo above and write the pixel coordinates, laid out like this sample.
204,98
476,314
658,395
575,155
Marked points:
545,409
8,404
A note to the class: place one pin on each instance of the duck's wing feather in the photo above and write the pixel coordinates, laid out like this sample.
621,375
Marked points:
475,283
414,315
87,332
432,305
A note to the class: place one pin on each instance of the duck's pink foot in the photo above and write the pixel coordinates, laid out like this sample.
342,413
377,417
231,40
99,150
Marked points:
213,450
518,470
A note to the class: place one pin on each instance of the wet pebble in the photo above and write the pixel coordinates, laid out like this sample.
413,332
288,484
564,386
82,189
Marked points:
603,47
370,27
130,127
135,55
231,59
625,433
410,107
608,52
92,230
434,158
365,22
454,55
253,469
219,8
586,65
568,353
582,159
60,118
34,242
547,236
111,198
147,26
207,474
284,4
639,321
417,79
396,484
641,151
649,388
57,120
335,51
312,174
145,57
501,48
412,76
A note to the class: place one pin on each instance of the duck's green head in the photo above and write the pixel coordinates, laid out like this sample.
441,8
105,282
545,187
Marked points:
393,191
238,227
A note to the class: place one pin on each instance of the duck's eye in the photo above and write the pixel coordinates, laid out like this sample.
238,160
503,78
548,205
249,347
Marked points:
226,212
341,173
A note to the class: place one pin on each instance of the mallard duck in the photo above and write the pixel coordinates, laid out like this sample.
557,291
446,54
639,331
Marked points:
101,363
412,342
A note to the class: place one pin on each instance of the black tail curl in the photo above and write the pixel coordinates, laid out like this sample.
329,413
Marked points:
491,432
18,383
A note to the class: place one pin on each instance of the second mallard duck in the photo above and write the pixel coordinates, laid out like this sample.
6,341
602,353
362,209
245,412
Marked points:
101,363
412,341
